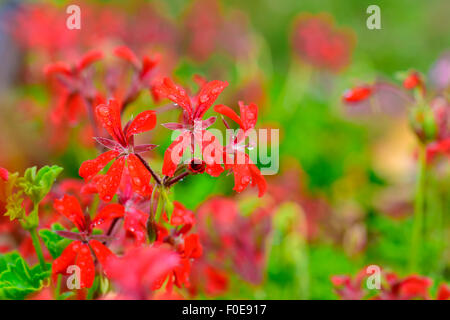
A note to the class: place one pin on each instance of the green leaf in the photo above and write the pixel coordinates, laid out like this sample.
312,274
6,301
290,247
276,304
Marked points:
17,280
36,185
54,242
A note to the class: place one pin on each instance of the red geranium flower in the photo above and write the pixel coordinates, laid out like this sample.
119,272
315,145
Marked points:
79,251
122,149
71,87
413,80
187,246
357,94
245,171
136,272
193,127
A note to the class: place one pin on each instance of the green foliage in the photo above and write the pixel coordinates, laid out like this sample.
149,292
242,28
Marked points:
17,279
54,242
36,185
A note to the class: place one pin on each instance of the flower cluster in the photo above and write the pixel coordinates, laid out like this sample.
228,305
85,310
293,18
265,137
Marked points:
392,287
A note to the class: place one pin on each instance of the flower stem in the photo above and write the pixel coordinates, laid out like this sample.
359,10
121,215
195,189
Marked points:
419,206
176,179
147,166
37,248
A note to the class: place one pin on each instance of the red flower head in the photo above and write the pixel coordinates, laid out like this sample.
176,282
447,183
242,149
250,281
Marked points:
321,44
4,174
245,171
138,270
443,292
71,87
193,127
79,251
122,149
357,94
186,245
413,80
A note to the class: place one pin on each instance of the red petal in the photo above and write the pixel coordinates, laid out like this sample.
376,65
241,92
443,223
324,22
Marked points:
69,207
249,115
182,217
148,64
90,168
212,152
413,80
140,176
86,264
57,67
103,254
4,174
174,153
125,53
228,112
108,212
108,184
443,292
143,122
66,259
75,107
135,223
109,116
175,93
258,179
192,246
89,58
207,95
357,94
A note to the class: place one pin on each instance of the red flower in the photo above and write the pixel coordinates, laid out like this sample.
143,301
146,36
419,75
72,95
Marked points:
411,287
193,127
320,43
438,147
4,174
136,272
144,67
357,94
413,80
187,246
122,149
70,87
217,281
245,171
79,251
443,292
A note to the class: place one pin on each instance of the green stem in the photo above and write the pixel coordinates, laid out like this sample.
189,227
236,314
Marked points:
58,288
419,206
37,248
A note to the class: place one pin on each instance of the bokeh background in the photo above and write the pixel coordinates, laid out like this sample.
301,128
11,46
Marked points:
343,196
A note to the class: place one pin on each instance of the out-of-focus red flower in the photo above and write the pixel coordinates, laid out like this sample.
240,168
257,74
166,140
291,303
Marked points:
392,287
122,149
235,158
203,25
186,245
216,281
193,128
70,87
320,43
4,174
79,251
231,240
357,94
413,80
443,292
137,271
411,287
